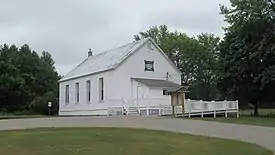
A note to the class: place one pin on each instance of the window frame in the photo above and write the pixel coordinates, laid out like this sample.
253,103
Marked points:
146,62
165,93
88,91
67,94
77,93
101,89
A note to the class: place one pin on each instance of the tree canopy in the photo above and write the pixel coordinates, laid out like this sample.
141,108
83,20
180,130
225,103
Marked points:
25,76
247,52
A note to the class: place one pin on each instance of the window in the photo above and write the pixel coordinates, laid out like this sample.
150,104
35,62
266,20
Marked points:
165,92
89,91
149,65
101,89
67,97
77,92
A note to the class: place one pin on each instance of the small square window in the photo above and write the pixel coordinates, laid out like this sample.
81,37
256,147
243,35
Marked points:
164,92
149,65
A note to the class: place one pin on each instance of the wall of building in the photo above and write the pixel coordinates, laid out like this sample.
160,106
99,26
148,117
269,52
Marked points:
134,67
83,104
156,92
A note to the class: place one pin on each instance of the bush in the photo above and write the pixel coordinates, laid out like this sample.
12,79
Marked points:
40,104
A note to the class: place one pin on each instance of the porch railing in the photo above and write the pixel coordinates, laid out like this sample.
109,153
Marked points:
161,106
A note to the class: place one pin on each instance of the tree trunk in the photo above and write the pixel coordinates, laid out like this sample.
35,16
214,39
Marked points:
256,107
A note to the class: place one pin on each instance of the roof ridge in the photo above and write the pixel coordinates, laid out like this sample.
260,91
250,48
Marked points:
117,47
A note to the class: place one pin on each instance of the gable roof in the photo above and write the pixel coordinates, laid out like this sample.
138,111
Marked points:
109,60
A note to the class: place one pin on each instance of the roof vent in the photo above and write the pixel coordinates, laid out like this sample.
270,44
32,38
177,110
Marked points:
150,46
90,53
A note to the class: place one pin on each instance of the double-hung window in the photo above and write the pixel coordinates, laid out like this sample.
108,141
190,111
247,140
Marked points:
67,95
88,91
77,92
101,89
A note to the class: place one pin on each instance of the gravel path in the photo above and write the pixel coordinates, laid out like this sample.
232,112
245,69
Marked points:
263,136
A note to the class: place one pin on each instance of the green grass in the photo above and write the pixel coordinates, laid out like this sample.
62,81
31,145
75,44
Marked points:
262,112
266,118
116,141
246,120
20,116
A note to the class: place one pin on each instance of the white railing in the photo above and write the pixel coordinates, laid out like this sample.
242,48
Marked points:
162,106
206,107
115,111
116,107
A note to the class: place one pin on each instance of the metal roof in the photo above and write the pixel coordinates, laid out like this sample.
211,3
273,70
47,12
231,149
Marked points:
158,83
109,60
104,61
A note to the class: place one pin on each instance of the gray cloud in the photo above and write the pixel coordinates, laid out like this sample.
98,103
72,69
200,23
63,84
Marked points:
67,28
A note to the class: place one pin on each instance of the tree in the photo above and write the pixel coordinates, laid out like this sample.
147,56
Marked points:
247,52
24,77
207,72
194,56
168,41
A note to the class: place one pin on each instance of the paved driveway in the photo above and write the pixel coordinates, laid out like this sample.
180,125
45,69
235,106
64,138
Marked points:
264,136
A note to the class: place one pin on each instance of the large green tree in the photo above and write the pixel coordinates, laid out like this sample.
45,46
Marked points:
194,56
24,77
247,52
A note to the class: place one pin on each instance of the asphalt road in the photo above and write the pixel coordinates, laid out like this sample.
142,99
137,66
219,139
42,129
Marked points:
263,136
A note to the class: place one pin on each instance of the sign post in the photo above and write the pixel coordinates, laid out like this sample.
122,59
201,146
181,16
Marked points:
177,99
49,106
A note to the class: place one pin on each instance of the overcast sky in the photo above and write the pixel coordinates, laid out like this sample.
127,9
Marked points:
68,28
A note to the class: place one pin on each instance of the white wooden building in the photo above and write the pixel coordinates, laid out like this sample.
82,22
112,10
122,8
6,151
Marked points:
136,70
133,76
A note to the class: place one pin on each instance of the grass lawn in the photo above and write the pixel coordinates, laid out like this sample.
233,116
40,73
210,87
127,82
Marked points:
247,120
115,141
267,118
262,112
20,116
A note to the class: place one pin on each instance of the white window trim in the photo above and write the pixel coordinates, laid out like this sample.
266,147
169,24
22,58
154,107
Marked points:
101,91
149,63
67,95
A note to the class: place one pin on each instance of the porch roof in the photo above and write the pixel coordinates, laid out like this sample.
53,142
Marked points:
158,83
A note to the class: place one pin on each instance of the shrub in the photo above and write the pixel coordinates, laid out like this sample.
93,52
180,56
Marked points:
40,104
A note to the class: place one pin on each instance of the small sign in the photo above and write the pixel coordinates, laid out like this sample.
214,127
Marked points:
49,104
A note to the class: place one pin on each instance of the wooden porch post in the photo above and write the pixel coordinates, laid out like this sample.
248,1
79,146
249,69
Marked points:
182,103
